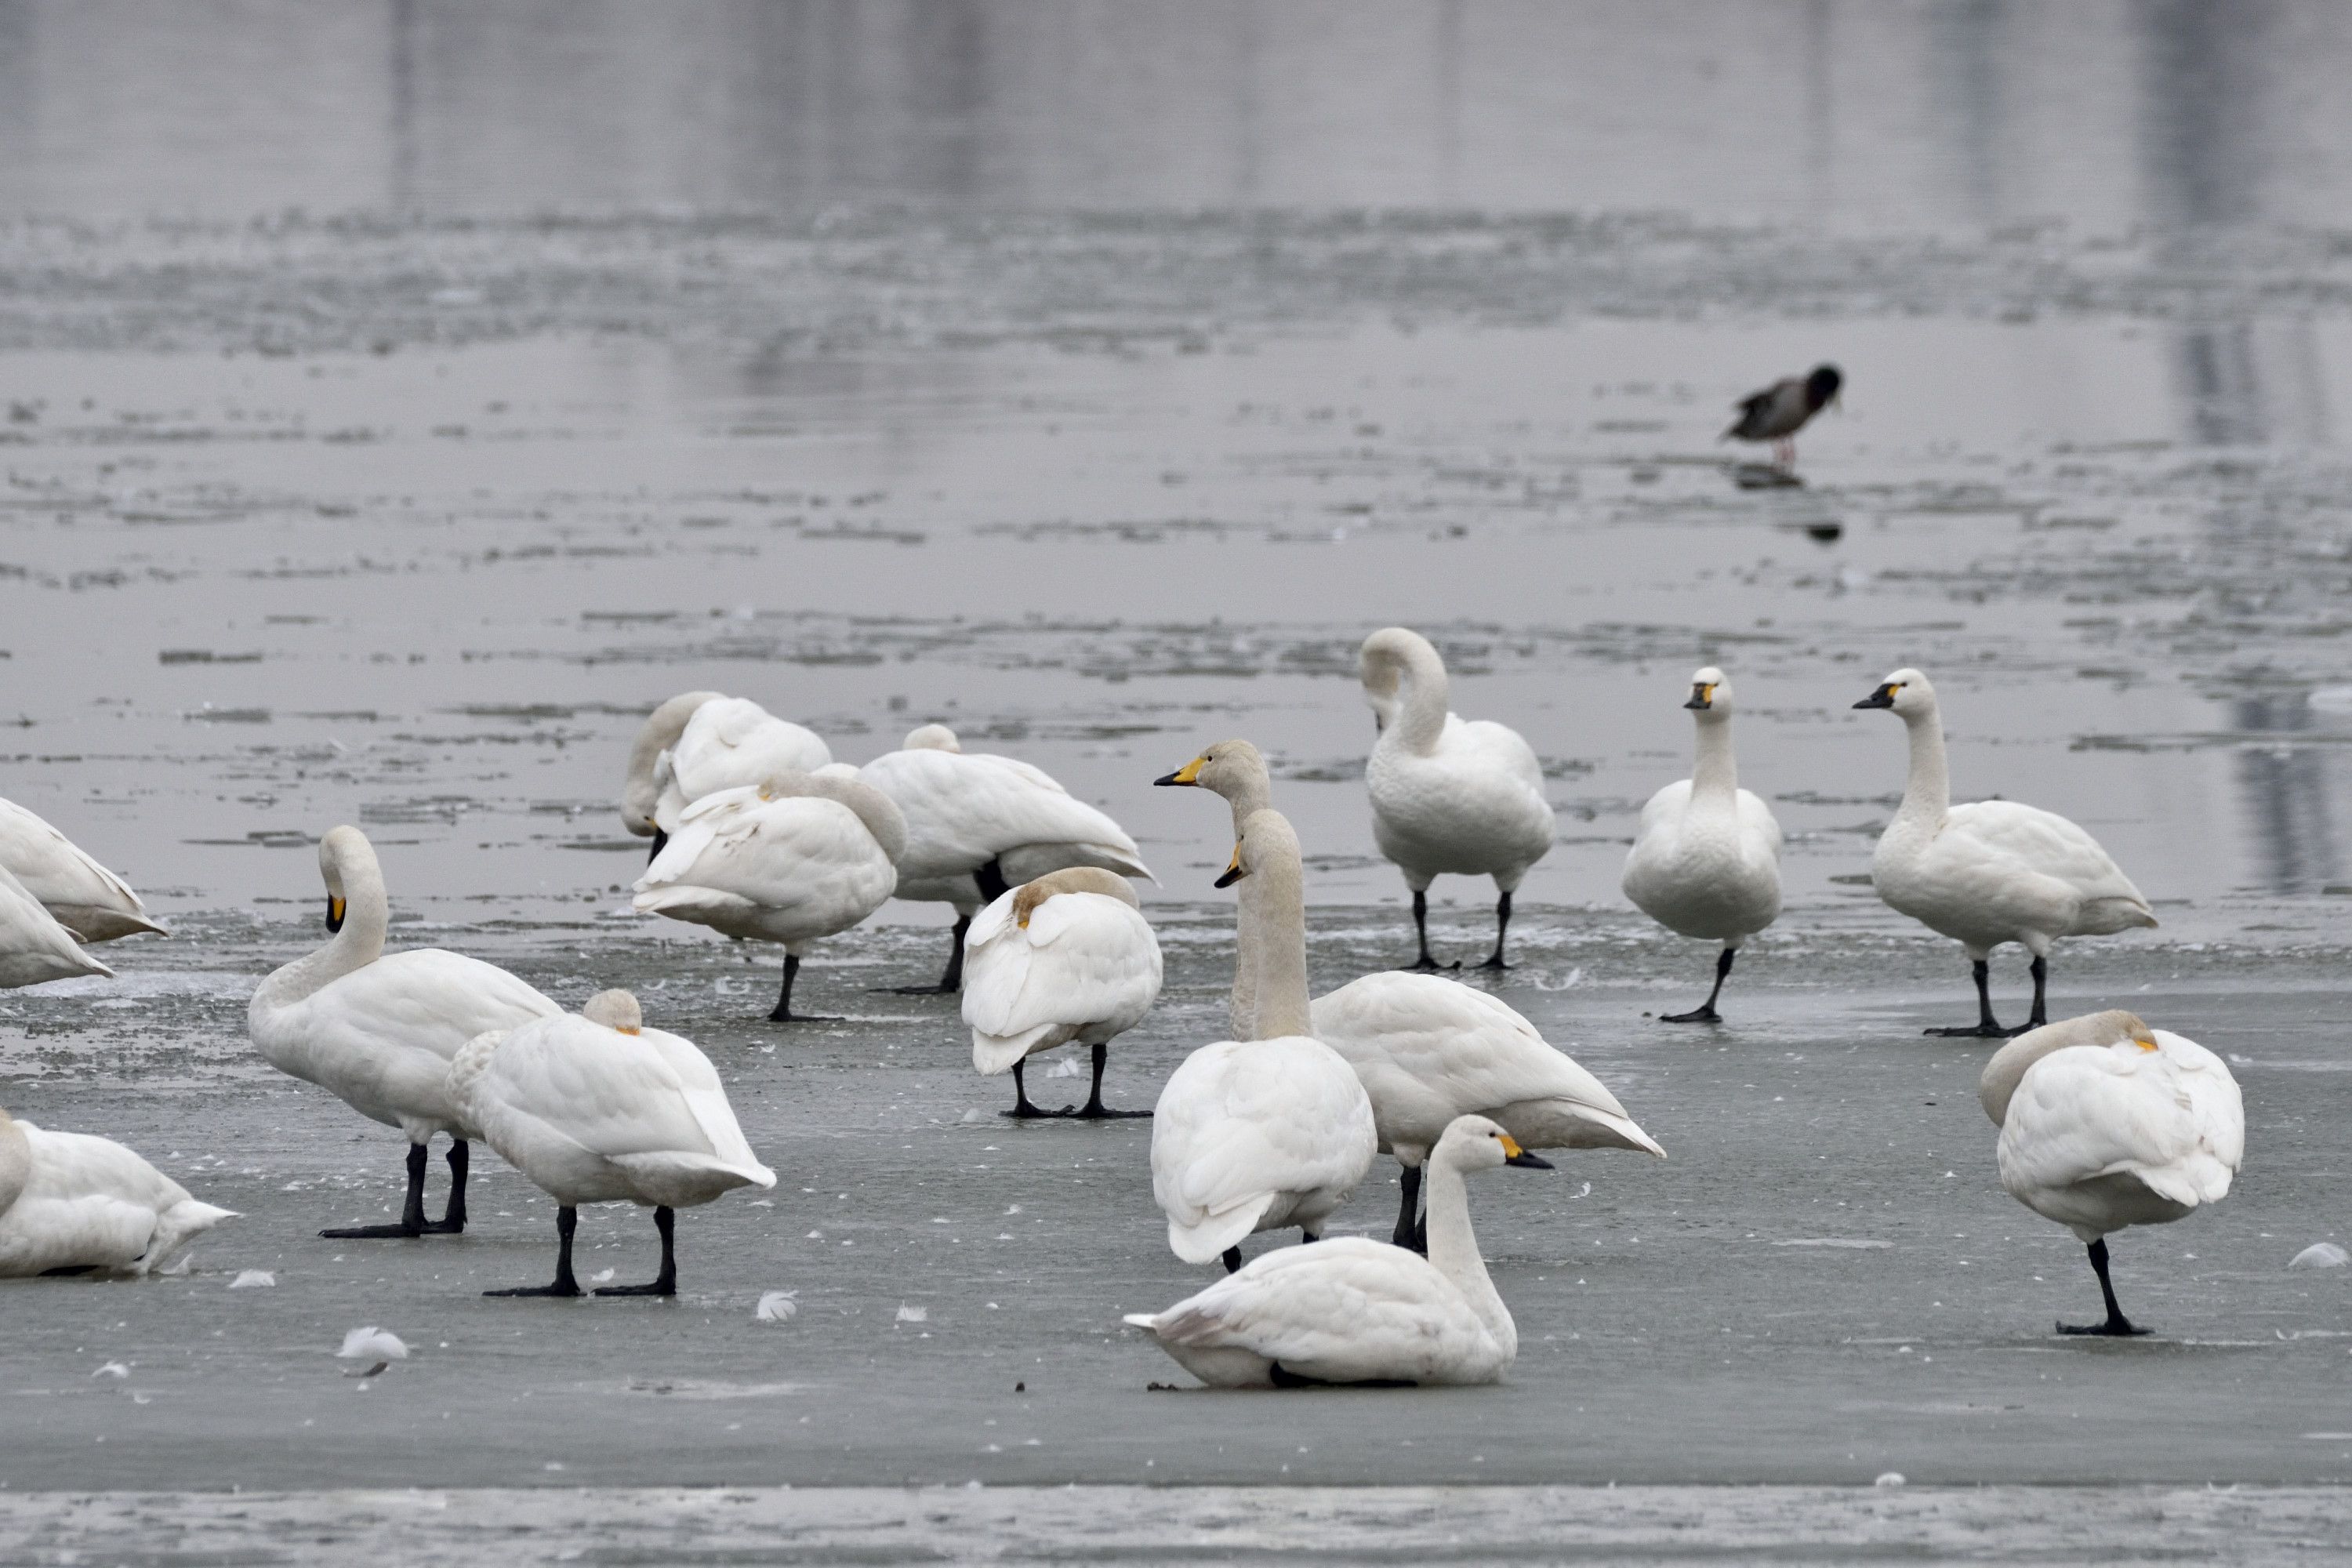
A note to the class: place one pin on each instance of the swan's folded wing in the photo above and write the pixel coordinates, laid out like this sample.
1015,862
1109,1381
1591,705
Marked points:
1665,807
54,868
2088,1111
1759,829
601,1090
1340,1306
1084,958
706,1100
2049,844
1472,1049
426,999
1268,1116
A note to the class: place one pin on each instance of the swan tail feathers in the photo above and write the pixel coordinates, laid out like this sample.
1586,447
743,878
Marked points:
1625,1129
178,1226
1208,1238
994,1054
700,1171
1142,1321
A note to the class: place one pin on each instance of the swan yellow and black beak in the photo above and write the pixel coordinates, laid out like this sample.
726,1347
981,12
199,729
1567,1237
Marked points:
1234,872
1190,773
1514,1155
1882,698
334,914
1701,694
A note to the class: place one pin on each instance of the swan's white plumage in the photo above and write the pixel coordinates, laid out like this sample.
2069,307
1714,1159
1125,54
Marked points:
1706,860
1449,796
801,859
68,1200
1083,967
83,896
729,743
34,947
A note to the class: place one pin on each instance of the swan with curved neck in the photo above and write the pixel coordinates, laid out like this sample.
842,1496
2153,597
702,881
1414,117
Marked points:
1449,797
1706,860
1352,1311
378,1030
1991,872
1066,959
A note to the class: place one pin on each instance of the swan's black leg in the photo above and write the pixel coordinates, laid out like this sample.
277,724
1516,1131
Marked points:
1421,928
666,1282
566,1218
1022,1107
453,1218
990,879
411,1210
1501,928
1987,1026
2116,1324
1233,1260
952,981
1095,1109
1705,1011
1409,1208
2040,1014
783,1012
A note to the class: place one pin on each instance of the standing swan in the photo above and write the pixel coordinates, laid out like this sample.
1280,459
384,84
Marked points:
978,824
1271,1132
2105,1123
1354,1311
1447,795
378,1030
598,1108
72,1204
1707,858
34,947
1068,957
699,743
83,896
800,857
1991,871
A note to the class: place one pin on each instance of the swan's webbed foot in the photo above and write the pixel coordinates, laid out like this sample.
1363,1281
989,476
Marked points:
1425,964
1494,962
664,1283
1026,1112
1231,1260
560,1288
376,1232
783,1012
1704,1013
567,1219
786,1015
1986,1031
658,1287
2114,1328
1095,1111
443,1227
917,990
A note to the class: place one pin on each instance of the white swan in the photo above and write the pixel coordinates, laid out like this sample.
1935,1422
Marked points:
1272,1131
797,858
598,1108
1706,860
73,1204
1428,1050
1991,871
86,897
2105,1122
978,824
34,947
378,1030
1068,957
1448,797
700,743
1354,1311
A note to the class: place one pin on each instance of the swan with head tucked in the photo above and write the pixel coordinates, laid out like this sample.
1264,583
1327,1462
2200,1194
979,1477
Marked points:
700,743
1066,959
1991,871
378,1030
1427,1049
33,948
1274,1131
598,1108
1449,796
797,858
83,896
1706,860
2105,1122
74,1203
1356,1310
978,824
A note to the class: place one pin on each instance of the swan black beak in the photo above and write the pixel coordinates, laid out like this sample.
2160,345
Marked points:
1234,872
334,914
1882,698
1526,1161
1702,695
1190,773
660,839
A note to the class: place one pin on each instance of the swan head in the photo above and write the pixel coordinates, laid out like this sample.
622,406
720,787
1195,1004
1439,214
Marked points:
641,788
1388,656
1906,693
342,850
616,1009
1710,694
1477,1143
1070,880
1233,769
932,738
1998,1084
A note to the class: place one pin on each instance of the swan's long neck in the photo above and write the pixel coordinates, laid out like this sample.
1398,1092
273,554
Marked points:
1243,1009
1420,702
1276,930
1927,795
1453,1250
1715,776
367,915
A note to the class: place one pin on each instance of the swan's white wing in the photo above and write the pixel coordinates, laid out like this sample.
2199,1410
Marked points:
1240,1121
965,810
785,871
1342,1310
66,879
2025,841
705,1097
32,946
2088,1111
734,742
1084,958
1759,830
595,1087
1499,747
1665,807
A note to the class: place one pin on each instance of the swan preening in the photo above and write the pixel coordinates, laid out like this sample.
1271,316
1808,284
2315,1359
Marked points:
2105,1122
1991,871
1448,795
1066,959
1706,860
378,1030
978,824
1270,1132
794,858
598,1108
73,1204
1354,1311
699,742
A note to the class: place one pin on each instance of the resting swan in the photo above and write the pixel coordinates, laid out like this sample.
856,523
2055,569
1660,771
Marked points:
1991,871
73,1204
598,1108
1447,795
2105,1122
1068,957
1271,1132
34,947
83,896
978,824
800,857
1355,1311
700,743
1427,1049
1707,858
378,1030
